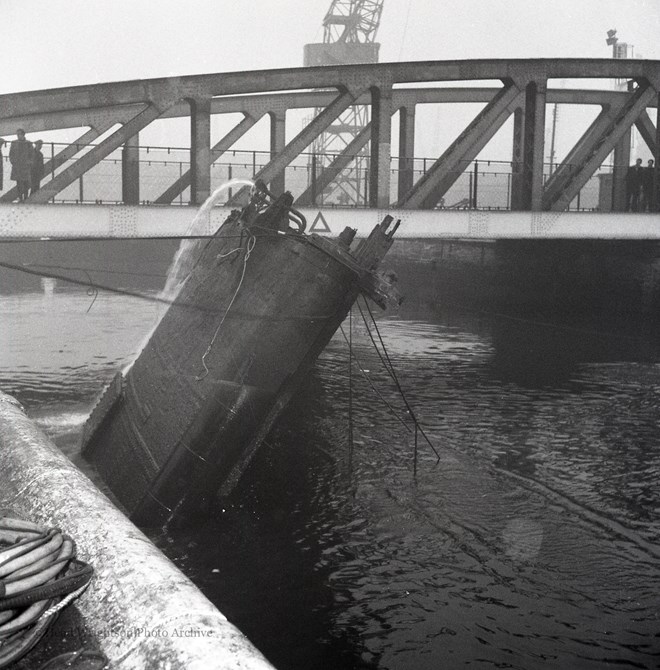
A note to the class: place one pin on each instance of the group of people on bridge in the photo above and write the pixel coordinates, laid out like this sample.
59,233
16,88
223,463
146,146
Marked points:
27,165
640,196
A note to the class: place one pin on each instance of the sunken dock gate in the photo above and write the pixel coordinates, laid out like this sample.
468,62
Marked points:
256,304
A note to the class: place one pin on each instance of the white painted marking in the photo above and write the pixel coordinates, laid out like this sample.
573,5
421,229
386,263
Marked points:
319,225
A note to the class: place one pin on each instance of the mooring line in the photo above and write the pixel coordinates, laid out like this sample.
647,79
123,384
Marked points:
390,368
350,390
95,285
373,386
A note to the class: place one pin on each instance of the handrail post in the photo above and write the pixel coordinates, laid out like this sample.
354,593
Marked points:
474,184
313,179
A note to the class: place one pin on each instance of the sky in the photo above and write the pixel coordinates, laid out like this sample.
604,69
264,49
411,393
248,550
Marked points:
67,42
57,43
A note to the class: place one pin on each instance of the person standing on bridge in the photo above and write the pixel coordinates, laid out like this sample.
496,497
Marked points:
37,170
20,157
648,201
634,178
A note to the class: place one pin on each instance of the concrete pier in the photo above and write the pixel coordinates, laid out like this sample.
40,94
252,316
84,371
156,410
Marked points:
143,612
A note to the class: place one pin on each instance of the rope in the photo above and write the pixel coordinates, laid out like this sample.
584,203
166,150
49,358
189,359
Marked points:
39,576
249,247
65,601
87,284
350,390
105,271
390,368
107,238
373,386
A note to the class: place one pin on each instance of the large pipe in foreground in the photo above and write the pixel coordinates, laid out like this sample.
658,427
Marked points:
135,589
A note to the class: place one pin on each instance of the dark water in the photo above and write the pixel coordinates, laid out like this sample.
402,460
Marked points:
531,542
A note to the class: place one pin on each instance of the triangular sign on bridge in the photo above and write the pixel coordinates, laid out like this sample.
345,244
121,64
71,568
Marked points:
320,225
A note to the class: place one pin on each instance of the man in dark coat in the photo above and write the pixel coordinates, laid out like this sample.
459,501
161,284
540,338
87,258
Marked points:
37,172
648,204
634,178
20,157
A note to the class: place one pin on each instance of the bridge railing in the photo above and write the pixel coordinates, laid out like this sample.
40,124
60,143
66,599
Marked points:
480,184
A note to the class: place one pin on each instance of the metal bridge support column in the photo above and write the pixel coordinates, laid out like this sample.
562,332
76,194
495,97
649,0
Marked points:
517,159
277,144
444,172
200,150
381,138
533,146
217,150
528,148
130,171
619,169
406,150
88,160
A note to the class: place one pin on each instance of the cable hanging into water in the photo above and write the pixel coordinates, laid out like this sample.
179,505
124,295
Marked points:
390,368
350,389
92,292
373,386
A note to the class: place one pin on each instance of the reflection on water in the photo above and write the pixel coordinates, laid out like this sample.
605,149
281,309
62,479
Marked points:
532,543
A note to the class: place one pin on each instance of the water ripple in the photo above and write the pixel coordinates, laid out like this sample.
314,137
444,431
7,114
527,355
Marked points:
531,543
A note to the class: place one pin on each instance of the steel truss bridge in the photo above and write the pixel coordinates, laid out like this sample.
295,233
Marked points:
110,117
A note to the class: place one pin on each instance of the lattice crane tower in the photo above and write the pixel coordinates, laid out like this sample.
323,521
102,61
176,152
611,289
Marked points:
349,31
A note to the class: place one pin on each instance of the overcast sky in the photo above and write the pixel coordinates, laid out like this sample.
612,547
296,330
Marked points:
52,43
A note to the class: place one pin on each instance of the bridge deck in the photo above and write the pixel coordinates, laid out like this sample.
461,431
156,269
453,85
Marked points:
27,221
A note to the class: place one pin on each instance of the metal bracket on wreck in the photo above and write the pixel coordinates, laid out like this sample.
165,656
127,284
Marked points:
379,286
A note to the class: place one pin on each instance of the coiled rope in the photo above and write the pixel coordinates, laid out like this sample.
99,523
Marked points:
39,576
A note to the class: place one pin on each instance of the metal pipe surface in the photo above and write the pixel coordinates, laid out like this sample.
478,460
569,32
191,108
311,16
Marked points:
143,610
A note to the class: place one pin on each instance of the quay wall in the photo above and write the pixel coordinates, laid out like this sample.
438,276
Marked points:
560,280
553,277
547,263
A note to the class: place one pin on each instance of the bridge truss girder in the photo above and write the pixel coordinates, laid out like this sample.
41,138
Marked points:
329,173
594,152
525,95
73,172
273,171
433,185
217,150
